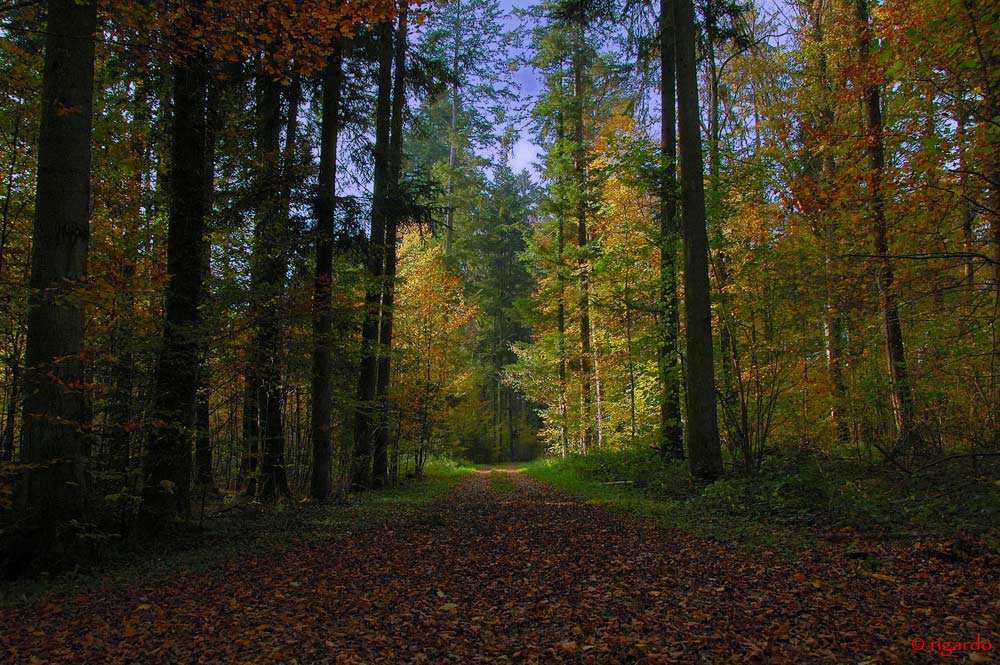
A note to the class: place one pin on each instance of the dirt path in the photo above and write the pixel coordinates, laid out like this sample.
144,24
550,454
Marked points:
504,569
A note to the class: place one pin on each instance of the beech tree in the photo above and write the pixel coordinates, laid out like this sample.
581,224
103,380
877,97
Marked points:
56,410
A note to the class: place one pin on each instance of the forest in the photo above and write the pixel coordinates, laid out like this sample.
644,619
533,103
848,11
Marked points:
275,264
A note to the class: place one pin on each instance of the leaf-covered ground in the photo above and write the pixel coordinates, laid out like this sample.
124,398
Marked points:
505,569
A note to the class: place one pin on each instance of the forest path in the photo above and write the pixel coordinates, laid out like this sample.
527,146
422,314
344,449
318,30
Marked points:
505,569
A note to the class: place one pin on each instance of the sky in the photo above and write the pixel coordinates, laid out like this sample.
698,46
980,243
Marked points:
524,154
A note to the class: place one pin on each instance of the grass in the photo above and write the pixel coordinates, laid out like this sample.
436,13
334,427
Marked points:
500,483
791,502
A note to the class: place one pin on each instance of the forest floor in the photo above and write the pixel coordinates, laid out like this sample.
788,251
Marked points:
499,567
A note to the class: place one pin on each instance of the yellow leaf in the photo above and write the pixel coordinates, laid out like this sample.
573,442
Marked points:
168,486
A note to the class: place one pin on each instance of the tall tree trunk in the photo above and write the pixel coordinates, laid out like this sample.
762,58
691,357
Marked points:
671,443
203,471
727,343
270,264
704,448
322,443
832,326
380,461
582,235
561,312
167,466
366,415
902,398
55,405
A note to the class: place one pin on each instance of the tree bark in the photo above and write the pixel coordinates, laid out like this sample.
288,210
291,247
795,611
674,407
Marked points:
167,465
366,415
671,443
321,420
55,405
204,475
270,264
582,235
907,438
380,462
704,449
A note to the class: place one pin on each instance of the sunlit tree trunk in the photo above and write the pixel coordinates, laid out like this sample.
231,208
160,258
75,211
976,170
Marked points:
902,397
832,325
582,237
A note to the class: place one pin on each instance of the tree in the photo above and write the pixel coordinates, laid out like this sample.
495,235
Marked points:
902,397
167,465
433,318
394,219
704,448
56,410
368,414
671,429
319,488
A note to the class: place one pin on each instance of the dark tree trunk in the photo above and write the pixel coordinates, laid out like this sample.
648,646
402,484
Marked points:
55,404
251,431
203,443
704,449
392,221
271,250
203,437
167,466
902,398
367,413
321,420
671,442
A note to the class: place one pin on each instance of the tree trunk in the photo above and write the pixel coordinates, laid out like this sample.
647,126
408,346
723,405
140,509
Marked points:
561,316
269,265
322,444
704,449
366,415
380,461
902,398
832,326
671,442
167,466
251,431
580,170
203,442
55,405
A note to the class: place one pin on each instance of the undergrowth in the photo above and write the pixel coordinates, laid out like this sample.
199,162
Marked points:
791,501
238,527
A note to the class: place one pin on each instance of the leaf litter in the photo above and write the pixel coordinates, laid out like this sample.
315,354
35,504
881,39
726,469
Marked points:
499,572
